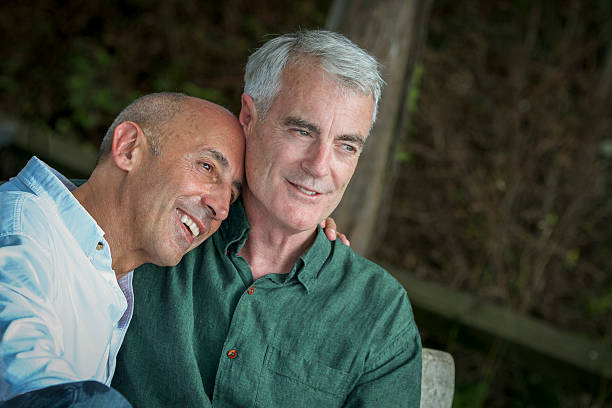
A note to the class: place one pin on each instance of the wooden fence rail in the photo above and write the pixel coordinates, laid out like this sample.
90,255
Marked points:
575,349
80,157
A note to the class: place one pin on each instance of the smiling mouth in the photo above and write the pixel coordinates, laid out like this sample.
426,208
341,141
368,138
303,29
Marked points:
309,193
190,224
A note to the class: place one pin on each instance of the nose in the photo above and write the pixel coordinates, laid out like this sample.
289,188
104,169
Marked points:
218,200
316,160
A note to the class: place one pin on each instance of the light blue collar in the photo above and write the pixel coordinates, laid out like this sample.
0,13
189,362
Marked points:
49,184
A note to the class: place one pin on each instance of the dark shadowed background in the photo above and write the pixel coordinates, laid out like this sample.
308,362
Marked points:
503,188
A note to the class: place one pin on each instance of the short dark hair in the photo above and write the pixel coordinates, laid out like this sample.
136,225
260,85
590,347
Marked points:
151,112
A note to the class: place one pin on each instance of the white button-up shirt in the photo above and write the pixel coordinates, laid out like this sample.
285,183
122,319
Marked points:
63,315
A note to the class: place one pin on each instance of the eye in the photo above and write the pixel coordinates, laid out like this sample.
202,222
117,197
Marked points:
349,148
206,166
302,132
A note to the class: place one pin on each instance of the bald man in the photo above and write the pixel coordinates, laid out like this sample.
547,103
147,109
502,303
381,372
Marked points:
170,166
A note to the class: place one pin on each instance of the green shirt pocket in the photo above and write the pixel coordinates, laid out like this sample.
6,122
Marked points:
290,378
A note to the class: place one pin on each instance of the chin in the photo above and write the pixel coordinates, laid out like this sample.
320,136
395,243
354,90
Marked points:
174,262
169,259
303,218
302,224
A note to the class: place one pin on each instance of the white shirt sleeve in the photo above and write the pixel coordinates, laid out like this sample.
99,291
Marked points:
31,346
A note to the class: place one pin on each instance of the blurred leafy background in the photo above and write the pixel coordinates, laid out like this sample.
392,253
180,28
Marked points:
504,189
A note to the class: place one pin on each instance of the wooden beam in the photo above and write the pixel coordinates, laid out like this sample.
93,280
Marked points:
573,348
392,31
80,157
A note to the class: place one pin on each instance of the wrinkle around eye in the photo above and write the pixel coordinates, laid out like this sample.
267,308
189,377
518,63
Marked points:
350,149
301,132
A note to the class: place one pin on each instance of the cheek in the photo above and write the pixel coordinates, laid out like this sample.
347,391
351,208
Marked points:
343,172
258,167
214,226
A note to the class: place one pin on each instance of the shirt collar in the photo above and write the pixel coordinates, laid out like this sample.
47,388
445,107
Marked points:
234,232
235,229
313,260
49,184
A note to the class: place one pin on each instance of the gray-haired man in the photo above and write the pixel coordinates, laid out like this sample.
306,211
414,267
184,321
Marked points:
269,312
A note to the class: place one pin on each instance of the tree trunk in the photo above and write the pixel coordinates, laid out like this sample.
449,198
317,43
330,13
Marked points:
390,30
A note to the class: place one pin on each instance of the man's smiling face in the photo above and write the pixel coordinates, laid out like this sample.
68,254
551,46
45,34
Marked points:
186,190
300,158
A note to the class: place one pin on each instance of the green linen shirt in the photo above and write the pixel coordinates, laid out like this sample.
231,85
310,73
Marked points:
337,330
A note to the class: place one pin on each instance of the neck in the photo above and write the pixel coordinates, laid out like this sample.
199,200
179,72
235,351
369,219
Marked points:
103,204
271,247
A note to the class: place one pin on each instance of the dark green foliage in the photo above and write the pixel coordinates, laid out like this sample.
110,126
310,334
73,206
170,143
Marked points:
505,179
72,66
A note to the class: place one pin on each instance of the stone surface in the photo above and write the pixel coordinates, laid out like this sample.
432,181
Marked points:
438,380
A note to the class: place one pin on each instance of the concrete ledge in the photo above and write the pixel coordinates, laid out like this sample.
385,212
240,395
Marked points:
438,379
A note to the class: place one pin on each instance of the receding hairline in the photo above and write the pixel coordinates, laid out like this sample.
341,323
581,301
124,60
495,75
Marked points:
201,108
207,105
154,112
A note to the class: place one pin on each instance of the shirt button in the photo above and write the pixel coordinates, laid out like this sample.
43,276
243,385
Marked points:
251,290
232,354
99,246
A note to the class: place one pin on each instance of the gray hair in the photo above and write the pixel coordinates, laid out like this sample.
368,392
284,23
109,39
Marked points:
354,68
151,112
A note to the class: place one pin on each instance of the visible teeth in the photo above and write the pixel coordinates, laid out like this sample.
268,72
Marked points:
185,219
303,190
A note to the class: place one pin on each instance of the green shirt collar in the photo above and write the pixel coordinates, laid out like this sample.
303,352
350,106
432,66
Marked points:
234,232
235,229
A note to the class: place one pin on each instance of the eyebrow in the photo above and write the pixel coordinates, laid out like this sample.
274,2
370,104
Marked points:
357,139
293,121
219,157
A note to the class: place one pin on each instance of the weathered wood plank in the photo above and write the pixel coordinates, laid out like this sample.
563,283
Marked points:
392,31
573,348
49,146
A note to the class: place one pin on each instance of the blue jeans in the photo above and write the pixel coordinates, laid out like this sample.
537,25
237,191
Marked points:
81,394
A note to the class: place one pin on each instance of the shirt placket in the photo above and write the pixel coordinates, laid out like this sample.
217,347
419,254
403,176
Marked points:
100,259
239,352
244,348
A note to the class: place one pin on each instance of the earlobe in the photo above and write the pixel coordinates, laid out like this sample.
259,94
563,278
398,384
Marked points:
248,113
127,142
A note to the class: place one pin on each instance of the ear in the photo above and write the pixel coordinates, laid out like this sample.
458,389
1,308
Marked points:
129,142
248,114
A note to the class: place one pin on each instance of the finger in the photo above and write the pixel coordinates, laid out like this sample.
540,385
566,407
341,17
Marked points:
330,228
343,238
330,234
330,223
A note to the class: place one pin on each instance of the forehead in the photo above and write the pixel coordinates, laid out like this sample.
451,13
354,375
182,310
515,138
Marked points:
308,90
201,130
